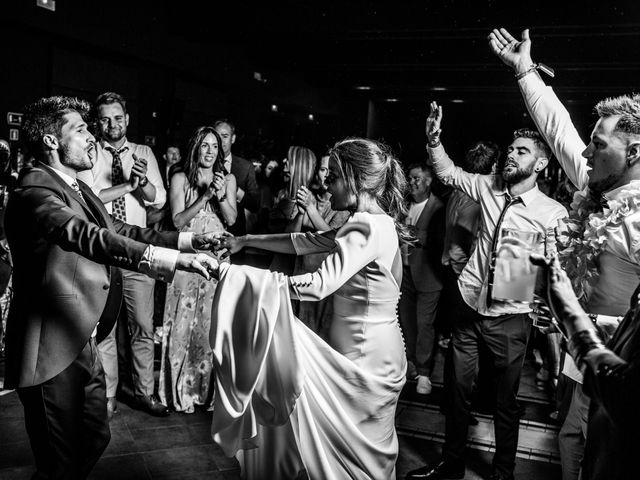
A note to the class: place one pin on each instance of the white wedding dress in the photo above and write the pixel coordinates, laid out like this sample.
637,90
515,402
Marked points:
288,404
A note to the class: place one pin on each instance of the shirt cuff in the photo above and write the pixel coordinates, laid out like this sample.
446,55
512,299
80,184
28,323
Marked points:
439,158
159,263
185,242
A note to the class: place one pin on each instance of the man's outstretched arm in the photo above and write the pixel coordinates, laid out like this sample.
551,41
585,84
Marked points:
546,110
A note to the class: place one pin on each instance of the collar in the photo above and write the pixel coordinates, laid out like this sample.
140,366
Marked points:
617,192
69,180
106,146
228,158
527,197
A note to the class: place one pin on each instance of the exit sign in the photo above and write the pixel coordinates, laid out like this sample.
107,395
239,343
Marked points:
14,119
48,4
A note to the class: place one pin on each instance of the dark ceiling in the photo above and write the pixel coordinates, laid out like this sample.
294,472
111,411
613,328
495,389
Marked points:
406,49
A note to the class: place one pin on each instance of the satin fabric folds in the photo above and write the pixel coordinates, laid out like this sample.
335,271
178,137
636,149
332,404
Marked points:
287,404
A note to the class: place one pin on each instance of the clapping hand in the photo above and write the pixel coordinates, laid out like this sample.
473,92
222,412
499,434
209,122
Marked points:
219,185
433,123
199,263
513,53
304,199
138,171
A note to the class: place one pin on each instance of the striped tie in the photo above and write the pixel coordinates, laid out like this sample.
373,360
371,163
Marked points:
118,206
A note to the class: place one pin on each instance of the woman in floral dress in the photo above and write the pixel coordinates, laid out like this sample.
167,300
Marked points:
203,199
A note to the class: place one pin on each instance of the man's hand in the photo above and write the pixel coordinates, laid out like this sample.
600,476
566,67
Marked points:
206,241
513,53
199,263
138,170
433,123
239,195
560,298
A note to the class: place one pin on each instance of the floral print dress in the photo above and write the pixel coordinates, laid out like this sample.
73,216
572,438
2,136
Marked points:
185,372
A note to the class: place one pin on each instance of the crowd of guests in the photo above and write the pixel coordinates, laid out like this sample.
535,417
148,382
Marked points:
456,211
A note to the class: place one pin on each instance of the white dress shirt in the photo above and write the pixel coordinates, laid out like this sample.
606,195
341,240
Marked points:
618,264
99,178
536,213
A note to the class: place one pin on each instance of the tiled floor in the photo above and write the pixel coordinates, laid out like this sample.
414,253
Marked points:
180,446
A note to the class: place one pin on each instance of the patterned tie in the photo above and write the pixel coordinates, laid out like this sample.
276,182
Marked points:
118,206
509,201
76,188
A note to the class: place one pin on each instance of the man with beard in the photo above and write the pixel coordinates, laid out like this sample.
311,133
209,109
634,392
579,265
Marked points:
508,201
608,170
127,179
422,276
62,241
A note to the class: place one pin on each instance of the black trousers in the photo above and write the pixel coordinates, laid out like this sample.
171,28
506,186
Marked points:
505,337
66,418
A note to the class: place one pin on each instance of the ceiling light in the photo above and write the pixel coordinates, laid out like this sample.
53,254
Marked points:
391,100
439,89
274,108
457,100
310,117
363,87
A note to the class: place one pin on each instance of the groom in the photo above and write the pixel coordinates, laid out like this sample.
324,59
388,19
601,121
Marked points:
61,239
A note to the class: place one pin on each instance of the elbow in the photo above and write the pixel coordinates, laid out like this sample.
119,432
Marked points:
178,223
231,219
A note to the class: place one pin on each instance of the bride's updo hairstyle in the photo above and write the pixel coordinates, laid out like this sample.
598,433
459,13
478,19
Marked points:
369,167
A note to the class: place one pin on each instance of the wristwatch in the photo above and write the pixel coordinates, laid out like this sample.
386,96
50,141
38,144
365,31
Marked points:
143,181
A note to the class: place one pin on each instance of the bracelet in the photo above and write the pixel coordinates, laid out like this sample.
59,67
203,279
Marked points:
143,181
435,144
581,343
537,66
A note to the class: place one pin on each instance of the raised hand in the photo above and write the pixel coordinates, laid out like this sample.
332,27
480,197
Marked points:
433,123
513,53
199,263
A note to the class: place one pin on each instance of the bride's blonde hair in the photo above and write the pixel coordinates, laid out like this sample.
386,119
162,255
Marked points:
370,167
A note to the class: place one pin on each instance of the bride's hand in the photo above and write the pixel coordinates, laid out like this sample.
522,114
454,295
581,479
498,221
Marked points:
229,243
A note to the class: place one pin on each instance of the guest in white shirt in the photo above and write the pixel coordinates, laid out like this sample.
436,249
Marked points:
127,180
422,276
509,201
607,169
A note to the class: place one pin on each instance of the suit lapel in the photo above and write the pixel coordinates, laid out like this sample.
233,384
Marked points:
427,211
68,190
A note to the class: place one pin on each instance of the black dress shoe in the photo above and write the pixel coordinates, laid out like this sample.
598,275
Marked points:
148,403
442,471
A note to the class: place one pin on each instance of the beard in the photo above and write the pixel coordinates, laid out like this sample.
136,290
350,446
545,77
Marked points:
517,175
604,184
77,159
114,134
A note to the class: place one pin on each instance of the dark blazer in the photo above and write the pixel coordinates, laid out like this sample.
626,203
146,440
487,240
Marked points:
426,255
246,180
61,246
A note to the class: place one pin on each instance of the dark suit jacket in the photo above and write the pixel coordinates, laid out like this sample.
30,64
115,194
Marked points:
426,255
246,180
61,246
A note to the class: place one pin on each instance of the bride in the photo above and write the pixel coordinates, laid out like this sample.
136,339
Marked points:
288,404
